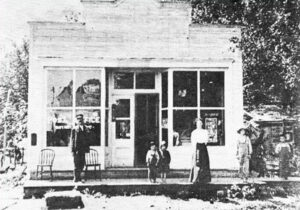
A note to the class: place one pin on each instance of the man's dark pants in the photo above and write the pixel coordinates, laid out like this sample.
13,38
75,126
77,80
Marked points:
79,161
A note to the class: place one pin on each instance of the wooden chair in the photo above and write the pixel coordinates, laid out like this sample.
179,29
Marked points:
46,160
92,160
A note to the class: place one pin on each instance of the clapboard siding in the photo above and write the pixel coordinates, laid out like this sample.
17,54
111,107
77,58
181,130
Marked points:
133,29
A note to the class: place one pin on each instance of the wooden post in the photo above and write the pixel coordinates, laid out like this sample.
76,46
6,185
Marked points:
103,109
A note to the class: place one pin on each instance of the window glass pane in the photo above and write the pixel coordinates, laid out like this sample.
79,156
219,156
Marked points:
164,125
145,80
106,88
213,121
59,88
123,129
123,80
106,128
185,89
88,88
164,91
122,108
92,121
212,89
59,127
183,125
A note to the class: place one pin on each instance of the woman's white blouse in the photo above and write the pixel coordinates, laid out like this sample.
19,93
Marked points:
199,136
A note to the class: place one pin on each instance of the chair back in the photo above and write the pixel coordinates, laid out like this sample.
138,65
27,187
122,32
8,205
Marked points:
92,158
47,157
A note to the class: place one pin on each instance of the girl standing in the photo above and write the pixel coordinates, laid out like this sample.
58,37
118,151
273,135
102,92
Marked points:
244,151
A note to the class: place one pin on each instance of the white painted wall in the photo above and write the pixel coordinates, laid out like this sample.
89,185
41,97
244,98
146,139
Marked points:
134,33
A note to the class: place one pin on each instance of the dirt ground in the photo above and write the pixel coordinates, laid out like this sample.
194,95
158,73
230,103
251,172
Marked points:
11,199
11,193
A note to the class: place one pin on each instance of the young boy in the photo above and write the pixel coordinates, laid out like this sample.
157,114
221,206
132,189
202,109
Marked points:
152,159
283,149
164,161
244,151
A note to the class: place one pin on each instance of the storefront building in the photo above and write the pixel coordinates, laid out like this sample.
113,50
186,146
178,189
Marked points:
139,71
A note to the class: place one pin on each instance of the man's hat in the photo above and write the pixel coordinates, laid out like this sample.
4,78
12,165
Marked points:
79,116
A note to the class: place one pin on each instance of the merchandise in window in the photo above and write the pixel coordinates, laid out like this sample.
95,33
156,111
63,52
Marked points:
88,88
122,108
185,89
183,125
123,80
59,127
164,126
123,129
59,88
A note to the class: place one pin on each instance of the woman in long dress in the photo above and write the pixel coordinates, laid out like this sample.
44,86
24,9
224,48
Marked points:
200,172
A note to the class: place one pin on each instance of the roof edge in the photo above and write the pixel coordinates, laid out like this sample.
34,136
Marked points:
55,22
200,25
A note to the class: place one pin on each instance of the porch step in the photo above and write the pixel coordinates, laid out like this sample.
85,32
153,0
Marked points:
135,173
112,187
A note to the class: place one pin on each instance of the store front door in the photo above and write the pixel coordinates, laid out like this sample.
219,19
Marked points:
123,131
146,125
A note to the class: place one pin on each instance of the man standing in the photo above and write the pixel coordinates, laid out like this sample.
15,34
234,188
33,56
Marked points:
79,146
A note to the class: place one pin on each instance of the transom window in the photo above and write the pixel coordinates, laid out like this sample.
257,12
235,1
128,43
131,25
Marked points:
71,92
134,80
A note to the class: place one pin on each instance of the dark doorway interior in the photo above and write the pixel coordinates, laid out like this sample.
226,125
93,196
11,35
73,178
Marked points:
146,125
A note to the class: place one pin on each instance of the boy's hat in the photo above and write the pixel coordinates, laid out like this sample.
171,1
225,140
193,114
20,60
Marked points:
240,130
152,143
163,144
282,135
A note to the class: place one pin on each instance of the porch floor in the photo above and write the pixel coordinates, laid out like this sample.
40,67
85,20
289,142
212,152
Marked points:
37,188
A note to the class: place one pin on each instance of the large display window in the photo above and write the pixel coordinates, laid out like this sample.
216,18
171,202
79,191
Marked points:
185,89
198,94
64,102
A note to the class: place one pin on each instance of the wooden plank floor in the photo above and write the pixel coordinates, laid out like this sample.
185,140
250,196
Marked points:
38,188
184,181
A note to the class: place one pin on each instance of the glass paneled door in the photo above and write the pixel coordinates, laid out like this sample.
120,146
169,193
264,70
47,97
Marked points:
122,131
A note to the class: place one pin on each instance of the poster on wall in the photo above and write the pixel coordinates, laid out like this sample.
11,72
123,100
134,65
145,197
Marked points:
211,125
214,123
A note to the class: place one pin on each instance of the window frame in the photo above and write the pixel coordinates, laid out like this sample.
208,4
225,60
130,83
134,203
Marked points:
74,108
171,108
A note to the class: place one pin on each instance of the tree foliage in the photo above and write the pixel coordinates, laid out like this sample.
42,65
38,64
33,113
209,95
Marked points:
14,77
270,45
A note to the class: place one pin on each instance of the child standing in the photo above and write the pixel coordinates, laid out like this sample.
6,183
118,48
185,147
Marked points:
152,159
164,162
244,151
283,149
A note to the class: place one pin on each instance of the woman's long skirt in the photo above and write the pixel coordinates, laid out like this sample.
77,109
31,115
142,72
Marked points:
200,172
